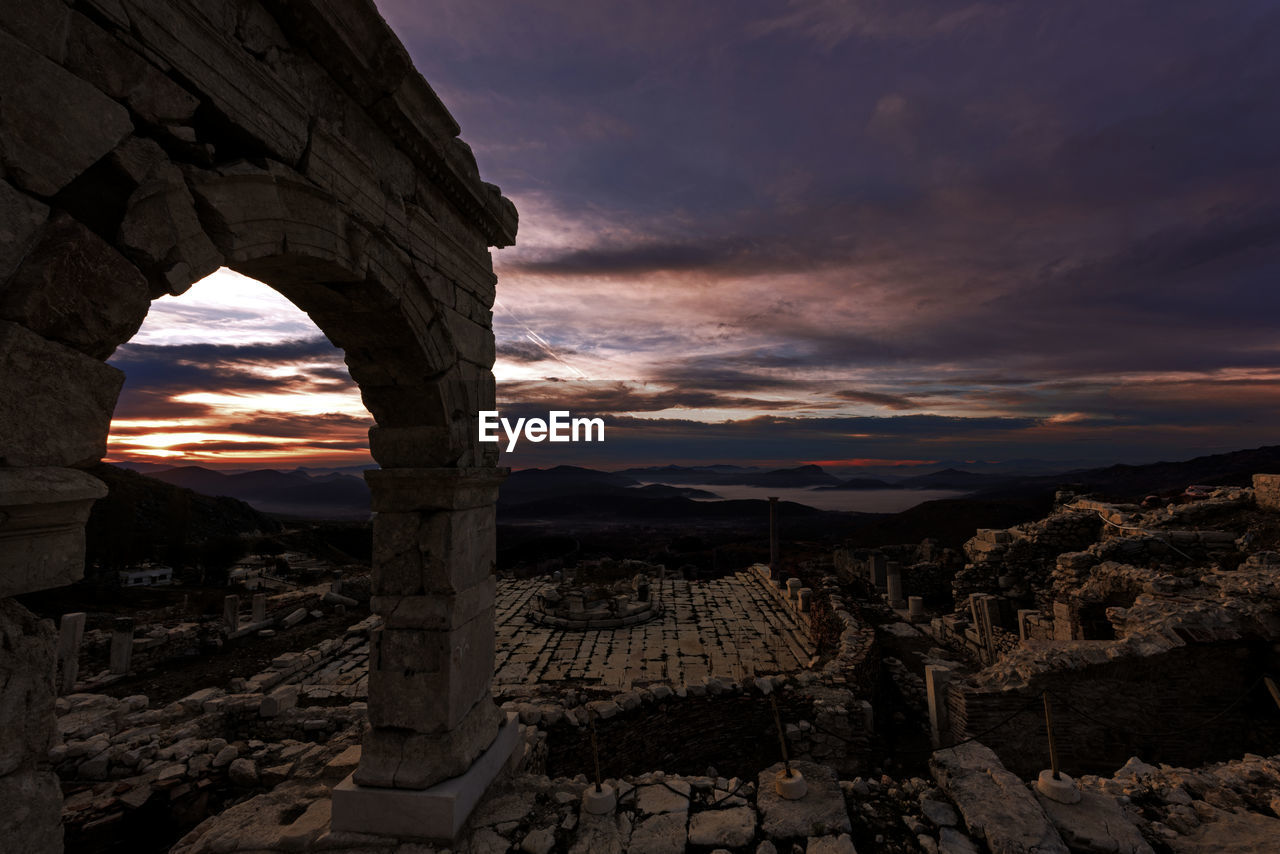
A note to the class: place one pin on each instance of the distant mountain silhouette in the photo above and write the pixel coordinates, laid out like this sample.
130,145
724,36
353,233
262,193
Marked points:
1130,483
955,479
141,512
856,483
725,475
635,505
291,493
528,485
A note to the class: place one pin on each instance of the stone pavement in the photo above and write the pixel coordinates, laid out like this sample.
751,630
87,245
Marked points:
729,627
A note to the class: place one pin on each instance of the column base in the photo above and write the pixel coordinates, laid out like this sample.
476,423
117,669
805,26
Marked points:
437,813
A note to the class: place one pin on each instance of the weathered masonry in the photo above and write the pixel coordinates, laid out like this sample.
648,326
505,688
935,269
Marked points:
146,143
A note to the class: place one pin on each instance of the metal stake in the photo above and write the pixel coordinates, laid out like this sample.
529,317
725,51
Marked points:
1048,727
782,737
595,750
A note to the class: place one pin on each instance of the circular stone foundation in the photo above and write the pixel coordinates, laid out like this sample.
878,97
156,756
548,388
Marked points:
587,606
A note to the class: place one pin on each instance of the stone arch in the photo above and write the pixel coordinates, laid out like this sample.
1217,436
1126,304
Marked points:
143,145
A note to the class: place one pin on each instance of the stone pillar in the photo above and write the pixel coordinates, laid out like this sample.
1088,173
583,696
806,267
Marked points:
986,614
431,713
936,679
775,571
231,613
70,634
31,821
1024,616
435,740
793,588
804,597
1063,624
877,566
915,608
259,607
122,645
893,586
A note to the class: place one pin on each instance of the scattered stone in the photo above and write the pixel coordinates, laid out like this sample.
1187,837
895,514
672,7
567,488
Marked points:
732,827
995,803
820,812
842,844
243,772
659,798
539,841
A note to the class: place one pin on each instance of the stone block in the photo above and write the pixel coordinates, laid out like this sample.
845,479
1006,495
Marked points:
42,516
261,104
1095,823
161,230
661,834
27,661
438,812
280,700
425,681
68,399
73,288
994,802
402,490
121,72
70,635
54,125
20,220
724,828
437,612
121,645
394,759
820,812
32,819
442,552
40,24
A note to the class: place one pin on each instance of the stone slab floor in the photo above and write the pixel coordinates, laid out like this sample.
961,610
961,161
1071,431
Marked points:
730,627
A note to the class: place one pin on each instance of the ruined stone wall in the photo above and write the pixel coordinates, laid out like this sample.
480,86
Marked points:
1155,707
32,816
1266,491
732,731
1021,559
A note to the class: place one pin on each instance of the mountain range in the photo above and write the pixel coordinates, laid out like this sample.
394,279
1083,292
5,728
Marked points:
563,491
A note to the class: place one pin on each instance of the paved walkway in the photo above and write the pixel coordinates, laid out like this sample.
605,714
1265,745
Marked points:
728,627
731,627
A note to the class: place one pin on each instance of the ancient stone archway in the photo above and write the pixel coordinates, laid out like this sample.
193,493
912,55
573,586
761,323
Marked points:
144,144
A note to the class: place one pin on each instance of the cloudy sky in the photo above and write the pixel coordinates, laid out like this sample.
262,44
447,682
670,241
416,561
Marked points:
860,232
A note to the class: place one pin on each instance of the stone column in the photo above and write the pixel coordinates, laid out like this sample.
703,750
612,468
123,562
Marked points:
775,571
259,607
431,713
915,608
70,635
793,588
936,678
1064,626
122,645
231,613
893,586
1024,619
876,566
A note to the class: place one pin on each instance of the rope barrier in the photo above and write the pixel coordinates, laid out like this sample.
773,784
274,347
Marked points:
1127,730
1154,536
